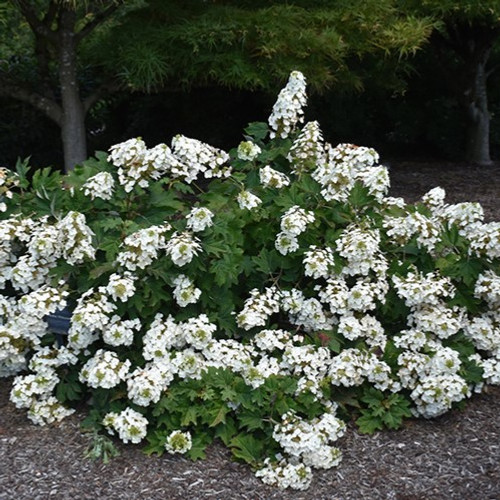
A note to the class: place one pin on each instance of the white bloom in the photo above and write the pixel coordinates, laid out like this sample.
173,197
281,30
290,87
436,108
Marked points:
199,219
104,370
248,150
48,411
272,178
178,442
121,287
258,308
182,247
142,247
286,243
76,238
100,185
146,385
288,109
185,292
129,424
163,335
307,152
285,475
295,220
318,262
247,200
196,157
120,332
198,331
417,289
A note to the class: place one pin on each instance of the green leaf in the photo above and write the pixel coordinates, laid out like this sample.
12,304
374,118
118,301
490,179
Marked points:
247,448
267,261
258,130
251,421
218,415
102,269
200,441
226,431
372,397
156,443
360,195
368,424
190,415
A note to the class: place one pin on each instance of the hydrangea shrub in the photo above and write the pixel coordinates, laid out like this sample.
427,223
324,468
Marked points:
260,297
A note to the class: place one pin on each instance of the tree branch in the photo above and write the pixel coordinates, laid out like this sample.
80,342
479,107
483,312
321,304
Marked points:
43,57
101,91
47,106
51,14
38,27
98,19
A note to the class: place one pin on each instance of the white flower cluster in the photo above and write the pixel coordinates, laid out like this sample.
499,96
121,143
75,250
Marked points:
182,248
76,238
417,289
285,475
199,219
307,313
310,364
258,308
433,380
105,370
293,223
120,332
130,425
91,316
310,441
100,186
360,247
247,200
196,157
343,166
142,247
121,287
485,239
45,243
185,292
272,178
402,229
146,385
463,215
434,200
318,262
8,180
365,327
188,158
440,319
178,442
22,325
288,109
487,288
354,366
137,165
34,391
248,150
45,300
307,152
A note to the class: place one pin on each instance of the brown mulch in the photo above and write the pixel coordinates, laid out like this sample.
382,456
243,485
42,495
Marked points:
456,456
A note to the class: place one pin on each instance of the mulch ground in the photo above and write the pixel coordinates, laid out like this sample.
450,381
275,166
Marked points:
456,456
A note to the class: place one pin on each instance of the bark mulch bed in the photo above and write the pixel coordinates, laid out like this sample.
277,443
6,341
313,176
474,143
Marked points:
456,456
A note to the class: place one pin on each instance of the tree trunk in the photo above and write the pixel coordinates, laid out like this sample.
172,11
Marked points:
73,131
478,116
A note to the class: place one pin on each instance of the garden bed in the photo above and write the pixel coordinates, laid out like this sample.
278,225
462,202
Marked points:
456,456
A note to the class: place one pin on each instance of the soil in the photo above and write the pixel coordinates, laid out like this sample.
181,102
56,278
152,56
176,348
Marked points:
456,456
